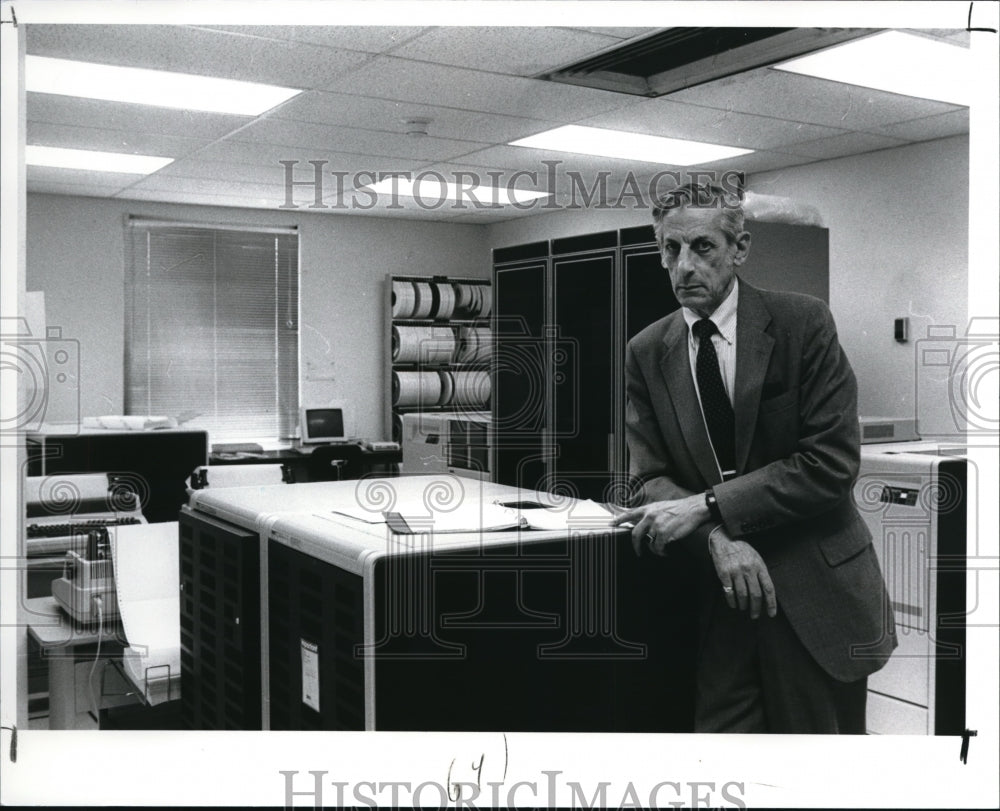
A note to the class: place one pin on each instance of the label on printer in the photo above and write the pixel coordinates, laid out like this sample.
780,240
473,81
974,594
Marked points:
310,674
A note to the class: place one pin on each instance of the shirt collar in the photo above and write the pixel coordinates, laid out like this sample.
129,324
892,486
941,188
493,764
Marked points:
724,316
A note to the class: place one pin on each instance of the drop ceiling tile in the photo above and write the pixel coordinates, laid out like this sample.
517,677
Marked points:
264,168
104,140
854,143
111,115
80,189
320,107
748,165
548,161
352,139
567,186
792,97
366,204
239,172
484,219
424,83
517,51
194,50
927,129
490,217
230,201
269,156
675,120
368,38
355,199
191,185
762,161
78,177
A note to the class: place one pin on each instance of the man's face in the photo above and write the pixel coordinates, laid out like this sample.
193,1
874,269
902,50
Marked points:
699,257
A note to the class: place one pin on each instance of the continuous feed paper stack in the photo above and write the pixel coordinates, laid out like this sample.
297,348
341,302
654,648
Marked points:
146,579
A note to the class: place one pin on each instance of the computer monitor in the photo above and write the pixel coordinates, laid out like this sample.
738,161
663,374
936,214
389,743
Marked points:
323,424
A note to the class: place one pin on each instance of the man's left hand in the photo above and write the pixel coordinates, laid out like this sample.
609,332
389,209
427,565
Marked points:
662,522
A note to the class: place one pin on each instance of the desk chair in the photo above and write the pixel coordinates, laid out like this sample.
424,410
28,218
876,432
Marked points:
334,463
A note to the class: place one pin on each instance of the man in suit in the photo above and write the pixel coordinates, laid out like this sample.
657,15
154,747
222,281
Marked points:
743,431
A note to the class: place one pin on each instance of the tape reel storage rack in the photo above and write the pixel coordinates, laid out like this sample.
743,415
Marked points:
438,369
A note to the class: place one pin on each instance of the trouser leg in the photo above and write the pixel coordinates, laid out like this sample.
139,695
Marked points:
728,695
800,697
757,676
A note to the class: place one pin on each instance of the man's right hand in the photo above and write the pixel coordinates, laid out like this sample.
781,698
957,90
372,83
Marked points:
742,573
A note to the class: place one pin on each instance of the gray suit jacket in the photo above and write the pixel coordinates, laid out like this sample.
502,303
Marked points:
797,456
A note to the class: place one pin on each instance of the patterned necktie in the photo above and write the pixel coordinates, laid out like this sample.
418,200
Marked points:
714,402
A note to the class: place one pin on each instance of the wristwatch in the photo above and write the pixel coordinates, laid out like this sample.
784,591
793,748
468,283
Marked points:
713,505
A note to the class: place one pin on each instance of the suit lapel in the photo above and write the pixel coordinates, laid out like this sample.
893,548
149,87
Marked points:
675,364
753,352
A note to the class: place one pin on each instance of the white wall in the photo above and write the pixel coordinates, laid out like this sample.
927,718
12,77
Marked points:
565,223
76,255
899,238
898,221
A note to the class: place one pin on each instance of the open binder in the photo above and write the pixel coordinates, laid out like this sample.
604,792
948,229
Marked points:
497,516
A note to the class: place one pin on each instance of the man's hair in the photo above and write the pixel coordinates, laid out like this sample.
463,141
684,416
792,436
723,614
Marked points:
703,195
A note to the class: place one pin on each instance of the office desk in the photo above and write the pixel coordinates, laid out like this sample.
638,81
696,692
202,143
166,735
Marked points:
70,648
363,460
334,622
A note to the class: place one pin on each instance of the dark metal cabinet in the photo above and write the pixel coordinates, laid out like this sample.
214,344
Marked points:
521,366
220,624
582,410
564,312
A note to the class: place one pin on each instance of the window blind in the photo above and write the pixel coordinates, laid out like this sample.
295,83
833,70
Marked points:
212,327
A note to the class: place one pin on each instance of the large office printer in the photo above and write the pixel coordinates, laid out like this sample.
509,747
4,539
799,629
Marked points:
303,608
121,670
98,575
64,515
913,497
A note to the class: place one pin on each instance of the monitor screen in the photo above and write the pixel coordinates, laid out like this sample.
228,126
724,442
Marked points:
322,424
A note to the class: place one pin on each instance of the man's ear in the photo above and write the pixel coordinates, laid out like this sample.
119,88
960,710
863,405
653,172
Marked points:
663,255
742,248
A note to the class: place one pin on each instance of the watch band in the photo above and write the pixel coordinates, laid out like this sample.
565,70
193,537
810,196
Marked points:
713,505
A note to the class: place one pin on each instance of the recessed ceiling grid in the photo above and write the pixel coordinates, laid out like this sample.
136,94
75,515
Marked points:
474,87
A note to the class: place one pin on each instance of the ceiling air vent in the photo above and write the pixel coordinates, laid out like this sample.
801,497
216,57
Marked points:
676,58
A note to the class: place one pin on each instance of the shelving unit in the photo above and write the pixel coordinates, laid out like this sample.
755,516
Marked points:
438,363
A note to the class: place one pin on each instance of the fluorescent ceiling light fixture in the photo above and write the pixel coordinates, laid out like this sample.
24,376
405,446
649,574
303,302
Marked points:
430,190
159,88
895,62
60,158
628,145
